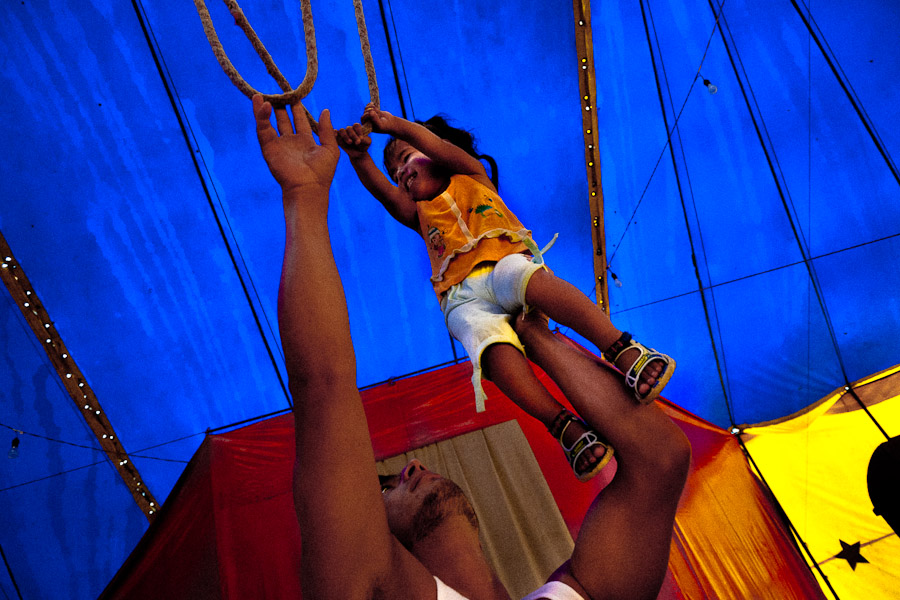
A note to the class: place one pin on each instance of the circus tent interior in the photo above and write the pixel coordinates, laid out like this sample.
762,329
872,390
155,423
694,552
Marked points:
721,179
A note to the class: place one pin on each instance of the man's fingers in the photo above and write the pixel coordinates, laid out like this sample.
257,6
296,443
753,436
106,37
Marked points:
283,122
326,131
262,110
301,122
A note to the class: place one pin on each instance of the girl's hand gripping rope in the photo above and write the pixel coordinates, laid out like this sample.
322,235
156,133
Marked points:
354,141
380,120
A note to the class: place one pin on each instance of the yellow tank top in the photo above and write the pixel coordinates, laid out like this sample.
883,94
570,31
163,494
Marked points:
465,225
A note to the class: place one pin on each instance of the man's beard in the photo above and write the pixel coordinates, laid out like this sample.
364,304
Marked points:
446,500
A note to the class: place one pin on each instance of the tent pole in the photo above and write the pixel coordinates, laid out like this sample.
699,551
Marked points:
587,86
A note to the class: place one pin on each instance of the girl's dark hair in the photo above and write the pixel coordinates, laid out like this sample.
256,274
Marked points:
440,126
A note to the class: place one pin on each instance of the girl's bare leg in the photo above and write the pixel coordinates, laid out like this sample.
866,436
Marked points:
565,304
509,370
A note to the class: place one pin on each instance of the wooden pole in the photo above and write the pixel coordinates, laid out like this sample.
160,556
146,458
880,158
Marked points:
587,86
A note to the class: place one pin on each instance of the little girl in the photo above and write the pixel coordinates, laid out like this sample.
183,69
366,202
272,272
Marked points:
486,268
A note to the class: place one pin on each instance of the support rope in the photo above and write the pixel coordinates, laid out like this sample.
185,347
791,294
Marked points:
289,95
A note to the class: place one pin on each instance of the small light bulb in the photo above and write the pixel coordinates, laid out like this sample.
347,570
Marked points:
14,449
615,279
710,86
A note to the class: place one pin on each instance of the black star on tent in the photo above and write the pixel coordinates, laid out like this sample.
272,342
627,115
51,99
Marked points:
851,554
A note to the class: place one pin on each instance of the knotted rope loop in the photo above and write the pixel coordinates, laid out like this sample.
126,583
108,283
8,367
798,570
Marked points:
289,95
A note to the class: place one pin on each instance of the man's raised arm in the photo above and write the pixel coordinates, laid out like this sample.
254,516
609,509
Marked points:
347,548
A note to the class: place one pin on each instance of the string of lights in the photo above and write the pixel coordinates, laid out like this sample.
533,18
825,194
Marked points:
75,383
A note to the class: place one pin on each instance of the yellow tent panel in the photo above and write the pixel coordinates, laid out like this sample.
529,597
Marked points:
816,464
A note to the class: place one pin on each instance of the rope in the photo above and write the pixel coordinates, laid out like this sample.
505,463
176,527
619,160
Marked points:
289,95
366,52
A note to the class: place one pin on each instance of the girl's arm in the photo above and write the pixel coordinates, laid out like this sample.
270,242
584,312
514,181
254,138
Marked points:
356,145
442,152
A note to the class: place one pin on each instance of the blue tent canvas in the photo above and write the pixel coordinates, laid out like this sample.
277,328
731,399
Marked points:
754,231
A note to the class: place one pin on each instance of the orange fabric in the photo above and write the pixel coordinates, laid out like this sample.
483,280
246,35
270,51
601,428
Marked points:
467,224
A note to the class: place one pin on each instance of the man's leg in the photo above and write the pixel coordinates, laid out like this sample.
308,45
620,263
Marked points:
623,547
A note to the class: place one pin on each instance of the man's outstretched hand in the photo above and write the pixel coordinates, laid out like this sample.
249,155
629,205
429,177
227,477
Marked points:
296,161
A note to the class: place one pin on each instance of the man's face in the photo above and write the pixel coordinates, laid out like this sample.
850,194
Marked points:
418,500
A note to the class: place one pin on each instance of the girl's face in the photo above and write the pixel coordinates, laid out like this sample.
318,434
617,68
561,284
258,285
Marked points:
417,176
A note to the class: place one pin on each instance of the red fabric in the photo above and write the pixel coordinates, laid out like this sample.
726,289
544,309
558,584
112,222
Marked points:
228,529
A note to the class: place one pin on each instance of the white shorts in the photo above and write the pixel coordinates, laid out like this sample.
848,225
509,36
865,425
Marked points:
478,310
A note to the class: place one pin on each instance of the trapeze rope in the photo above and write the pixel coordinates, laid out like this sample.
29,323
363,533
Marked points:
289,95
